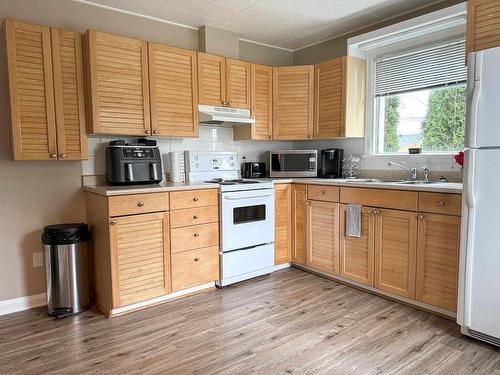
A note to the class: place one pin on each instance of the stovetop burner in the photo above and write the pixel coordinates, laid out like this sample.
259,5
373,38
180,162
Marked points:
237,181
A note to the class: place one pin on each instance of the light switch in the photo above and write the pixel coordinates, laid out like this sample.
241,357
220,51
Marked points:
38,259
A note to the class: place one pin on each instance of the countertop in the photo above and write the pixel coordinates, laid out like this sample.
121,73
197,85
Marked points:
438,187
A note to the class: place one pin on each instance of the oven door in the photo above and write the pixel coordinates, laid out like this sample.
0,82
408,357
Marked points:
247,218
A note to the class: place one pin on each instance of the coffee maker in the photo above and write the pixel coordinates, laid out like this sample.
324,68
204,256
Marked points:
331,163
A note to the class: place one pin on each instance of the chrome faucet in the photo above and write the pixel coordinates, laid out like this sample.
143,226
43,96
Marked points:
411,172
426,173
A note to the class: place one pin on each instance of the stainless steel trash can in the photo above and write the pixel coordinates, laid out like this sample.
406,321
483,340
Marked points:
67,265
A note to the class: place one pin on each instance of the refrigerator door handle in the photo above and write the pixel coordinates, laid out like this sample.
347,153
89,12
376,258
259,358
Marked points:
470,156
473,114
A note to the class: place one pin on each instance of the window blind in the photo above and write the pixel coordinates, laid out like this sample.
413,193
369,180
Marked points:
426,68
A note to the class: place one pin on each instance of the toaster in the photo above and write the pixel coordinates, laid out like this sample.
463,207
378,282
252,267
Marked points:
133,164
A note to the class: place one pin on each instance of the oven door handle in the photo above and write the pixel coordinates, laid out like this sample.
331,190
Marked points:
237,197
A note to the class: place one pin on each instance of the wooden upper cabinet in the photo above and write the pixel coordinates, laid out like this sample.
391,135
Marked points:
483,24
31,91
357,254
323,236
299,236
173,91
282,223
293,98
340,98
238,90
395,251
69,98
118,87
437,260
211,79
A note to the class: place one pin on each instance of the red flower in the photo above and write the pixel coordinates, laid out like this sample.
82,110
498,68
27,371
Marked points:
459,158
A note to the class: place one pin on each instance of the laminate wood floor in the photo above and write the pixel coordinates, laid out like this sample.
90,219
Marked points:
290,322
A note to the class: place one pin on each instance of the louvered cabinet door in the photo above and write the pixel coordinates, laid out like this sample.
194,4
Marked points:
118,87
282,223
329,103
31,91
211,79
140,257
262,101
395,251
238,83
293,97
357,254
299,224
437,260
69,94
173,90
483,24
323,236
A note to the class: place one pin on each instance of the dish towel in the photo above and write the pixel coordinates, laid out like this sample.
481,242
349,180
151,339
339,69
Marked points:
353,220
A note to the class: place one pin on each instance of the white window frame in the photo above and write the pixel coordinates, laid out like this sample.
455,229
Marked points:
443,25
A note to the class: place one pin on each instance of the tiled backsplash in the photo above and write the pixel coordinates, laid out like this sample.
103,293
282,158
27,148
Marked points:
210,138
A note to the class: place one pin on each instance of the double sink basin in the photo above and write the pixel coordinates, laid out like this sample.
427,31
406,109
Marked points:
388,181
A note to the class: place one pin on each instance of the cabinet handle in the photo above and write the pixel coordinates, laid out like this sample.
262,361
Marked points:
155,131
148,131
53,156
195,199
197,235
323,192
196,259
140,204
440,203
420,216
62,156
341,134
308,203
195,217
113,222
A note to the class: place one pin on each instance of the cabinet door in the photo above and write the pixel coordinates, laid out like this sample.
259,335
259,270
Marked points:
69,97
299,197
483,24
117,70
173,90
283,223
31,91
238,83
140,257
211,79
323,236
329,103
262,101
395,251
357,254
437,260
293,97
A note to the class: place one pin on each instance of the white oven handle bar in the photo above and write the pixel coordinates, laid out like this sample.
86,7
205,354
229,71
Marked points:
237,197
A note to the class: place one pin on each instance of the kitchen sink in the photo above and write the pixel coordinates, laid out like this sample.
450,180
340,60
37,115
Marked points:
417,182
374,180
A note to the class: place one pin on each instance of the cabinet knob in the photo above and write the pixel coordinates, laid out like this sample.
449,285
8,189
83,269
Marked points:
376,212
341,134
147,131
62,156
229,103
195,199
420,216
224,102
322,192
440,203
370,211
196,259
195,217
53,156
113,222
155,131
197,235
140,204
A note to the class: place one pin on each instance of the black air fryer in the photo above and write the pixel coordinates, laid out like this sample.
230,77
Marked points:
133,164
331,163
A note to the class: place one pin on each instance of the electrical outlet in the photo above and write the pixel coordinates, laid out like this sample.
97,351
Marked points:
37,259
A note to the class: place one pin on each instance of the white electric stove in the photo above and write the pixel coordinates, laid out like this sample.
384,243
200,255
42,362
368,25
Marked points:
246,215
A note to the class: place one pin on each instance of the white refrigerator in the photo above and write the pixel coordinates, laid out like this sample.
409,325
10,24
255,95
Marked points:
479,277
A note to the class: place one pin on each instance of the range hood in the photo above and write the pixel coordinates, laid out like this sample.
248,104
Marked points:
211,114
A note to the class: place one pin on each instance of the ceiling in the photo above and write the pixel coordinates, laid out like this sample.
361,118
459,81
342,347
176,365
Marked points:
289,24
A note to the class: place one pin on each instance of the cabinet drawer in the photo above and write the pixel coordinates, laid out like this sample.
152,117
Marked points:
137,204
323,193
193,198
439,203
396,199
194,237
194,216
195,267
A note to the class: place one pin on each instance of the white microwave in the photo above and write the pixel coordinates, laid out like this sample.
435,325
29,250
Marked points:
293,163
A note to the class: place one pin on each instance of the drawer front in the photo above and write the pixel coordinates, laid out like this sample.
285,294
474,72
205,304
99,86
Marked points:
395,199
194,237
439,203
137,204
194,216
323,193
195,267
193,198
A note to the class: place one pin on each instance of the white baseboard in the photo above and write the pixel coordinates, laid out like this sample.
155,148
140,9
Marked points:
22,303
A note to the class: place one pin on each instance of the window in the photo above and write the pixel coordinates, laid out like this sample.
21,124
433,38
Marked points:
420,99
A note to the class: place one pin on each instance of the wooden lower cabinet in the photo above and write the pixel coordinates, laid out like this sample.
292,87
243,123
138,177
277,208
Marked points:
282,223
437,260
395,251
195,267
323,236
299,197
357,254
140,257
